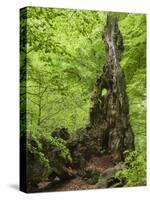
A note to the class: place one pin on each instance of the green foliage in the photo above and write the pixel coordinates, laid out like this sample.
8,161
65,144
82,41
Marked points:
133,169
64,55
58,145
104,92
133,28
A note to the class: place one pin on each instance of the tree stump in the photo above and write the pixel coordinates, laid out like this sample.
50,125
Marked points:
109,114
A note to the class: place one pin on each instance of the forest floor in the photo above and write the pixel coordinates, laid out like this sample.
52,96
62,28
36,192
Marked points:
99,163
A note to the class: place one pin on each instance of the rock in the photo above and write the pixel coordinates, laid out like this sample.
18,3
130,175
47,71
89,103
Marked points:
112,170
107,178
102,183
90,175
61,132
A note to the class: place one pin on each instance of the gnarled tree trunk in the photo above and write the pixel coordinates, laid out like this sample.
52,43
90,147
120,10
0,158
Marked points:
109,114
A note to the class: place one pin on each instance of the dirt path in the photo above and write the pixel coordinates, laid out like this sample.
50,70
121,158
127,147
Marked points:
99,163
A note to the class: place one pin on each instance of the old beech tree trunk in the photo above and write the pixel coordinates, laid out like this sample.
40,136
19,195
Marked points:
109,128
109,114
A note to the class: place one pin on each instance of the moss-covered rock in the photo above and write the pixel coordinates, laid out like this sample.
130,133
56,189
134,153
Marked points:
47,158
61,133
38,168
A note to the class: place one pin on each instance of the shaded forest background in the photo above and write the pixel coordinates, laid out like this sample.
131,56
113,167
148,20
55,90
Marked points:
63,53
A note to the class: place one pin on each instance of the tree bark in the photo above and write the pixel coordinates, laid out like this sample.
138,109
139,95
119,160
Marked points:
109,114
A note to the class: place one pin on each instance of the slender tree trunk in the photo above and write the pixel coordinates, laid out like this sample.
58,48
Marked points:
39,105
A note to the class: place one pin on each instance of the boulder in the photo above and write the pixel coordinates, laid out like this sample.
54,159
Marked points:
61,133
107,177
